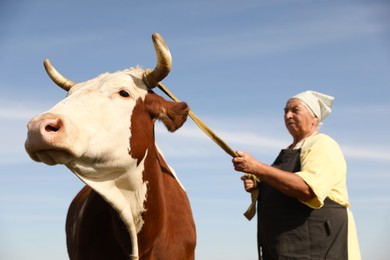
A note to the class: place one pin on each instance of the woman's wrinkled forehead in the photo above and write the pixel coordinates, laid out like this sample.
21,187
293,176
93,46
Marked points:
294,103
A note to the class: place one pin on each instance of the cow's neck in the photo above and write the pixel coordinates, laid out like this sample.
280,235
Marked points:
125,190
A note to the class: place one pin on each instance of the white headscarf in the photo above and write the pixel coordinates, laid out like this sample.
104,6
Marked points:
320,104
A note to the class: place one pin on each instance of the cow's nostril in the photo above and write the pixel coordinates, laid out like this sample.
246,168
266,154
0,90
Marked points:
51,128
53,125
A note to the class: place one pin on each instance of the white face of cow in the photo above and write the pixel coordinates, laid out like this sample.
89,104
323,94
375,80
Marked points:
87,131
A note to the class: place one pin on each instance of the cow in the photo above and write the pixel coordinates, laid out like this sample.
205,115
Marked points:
132,205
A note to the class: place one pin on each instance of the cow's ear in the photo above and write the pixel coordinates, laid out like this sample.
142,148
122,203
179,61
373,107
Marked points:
172,114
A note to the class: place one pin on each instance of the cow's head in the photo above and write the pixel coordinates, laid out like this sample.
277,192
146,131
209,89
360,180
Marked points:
94,126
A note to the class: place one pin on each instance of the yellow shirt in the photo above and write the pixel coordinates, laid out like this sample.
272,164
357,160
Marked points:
324,169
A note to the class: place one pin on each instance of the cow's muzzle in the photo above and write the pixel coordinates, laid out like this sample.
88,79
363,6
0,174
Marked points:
48,140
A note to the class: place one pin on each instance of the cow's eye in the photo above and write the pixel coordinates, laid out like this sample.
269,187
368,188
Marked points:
124,93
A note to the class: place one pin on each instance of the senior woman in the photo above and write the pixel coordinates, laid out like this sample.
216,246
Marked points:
303,206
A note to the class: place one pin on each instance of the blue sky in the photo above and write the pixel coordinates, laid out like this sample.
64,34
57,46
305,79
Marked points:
235,63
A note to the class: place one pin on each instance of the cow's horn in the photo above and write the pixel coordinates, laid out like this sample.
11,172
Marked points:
164,62
57,78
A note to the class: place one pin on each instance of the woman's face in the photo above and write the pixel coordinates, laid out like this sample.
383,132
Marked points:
299,120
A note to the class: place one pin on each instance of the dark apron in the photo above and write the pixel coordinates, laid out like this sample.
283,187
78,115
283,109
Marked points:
288,229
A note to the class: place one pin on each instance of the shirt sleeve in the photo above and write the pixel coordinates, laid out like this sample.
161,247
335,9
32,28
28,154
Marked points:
323,168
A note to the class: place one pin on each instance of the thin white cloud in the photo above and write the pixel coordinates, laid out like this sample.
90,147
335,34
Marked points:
191,136
18,113
322,26
366,153
378,110
374,202
13,131
19,110
13,134
44,42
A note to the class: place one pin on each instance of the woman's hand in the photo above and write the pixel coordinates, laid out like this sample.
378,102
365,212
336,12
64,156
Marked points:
249,183
245,162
